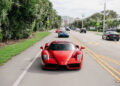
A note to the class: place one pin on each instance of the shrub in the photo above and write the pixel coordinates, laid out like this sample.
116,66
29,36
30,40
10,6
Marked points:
1,37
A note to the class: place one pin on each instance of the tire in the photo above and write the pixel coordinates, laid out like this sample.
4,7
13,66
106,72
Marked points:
107,38
102,37
117,40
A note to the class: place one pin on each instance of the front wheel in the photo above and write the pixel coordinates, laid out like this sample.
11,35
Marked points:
107,38
117,39
102,37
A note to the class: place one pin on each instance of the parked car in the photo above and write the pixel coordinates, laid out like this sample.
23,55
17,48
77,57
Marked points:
110,35
63,34
62,54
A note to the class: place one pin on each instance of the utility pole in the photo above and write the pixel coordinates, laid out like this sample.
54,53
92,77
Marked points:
82,21
77,23
104,20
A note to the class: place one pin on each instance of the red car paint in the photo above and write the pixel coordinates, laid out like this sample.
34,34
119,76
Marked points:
56,59
57,31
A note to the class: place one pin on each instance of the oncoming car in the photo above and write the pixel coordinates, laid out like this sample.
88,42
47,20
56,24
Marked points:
62,54
83,31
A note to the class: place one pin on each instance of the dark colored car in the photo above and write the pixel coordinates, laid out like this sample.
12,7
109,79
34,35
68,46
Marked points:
63,34
111,35
83,31
62,55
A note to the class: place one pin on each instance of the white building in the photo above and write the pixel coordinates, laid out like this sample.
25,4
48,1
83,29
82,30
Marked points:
66,20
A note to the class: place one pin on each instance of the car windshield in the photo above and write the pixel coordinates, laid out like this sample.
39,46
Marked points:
61,47
111,32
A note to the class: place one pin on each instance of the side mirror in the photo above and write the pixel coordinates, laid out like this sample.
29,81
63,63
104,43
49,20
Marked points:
41,47
46,45
82,47
77,46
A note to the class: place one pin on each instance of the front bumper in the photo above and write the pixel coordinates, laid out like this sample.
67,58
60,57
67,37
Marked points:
68,66
63,36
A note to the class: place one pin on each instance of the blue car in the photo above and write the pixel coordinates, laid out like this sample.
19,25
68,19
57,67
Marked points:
63,34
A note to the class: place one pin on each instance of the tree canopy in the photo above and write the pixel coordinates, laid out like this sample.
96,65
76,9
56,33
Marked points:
92,21
19,18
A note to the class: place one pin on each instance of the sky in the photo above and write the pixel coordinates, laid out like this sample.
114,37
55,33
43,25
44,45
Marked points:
77,8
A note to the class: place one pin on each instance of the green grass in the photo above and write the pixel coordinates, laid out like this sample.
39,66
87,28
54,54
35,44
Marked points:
9,51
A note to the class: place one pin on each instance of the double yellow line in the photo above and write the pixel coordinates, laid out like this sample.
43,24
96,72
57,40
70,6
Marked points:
99,59
110,60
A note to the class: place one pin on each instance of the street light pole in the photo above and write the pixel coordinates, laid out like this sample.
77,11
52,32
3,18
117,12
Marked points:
82,21
104,20
77,23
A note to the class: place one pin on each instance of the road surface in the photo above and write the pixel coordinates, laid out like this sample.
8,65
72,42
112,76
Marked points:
25,68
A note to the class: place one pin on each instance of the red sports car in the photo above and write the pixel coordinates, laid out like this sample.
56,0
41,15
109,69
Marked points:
62,54
57,31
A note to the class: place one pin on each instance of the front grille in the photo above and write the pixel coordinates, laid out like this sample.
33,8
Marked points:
74,65
51,65
62,67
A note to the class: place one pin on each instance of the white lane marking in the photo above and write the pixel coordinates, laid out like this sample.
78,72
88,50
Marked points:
25,71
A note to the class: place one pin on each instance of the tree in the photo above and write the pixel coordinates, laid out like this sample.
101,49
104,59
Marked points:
5,6
19,18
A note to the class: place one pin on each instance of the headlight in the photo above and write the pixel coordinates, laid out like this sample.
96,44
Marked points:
78,57
45,57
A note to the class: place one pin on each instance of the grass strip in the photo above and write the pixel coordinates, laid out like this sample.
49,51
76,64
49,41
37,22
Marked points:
9,51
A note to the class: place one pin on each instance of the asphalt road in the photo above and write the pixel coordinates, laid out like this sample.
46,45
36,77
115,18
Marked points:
25,68
107,48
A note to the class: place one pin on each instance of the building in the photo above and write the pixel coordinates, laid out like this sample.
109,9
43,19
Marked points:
66,20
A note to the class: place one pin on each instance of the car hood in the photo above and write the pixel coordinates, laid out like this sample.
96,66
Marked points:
62,57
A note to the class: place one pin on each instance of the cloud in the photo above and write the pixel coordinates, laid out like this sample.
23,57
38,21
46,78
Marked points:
76,8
